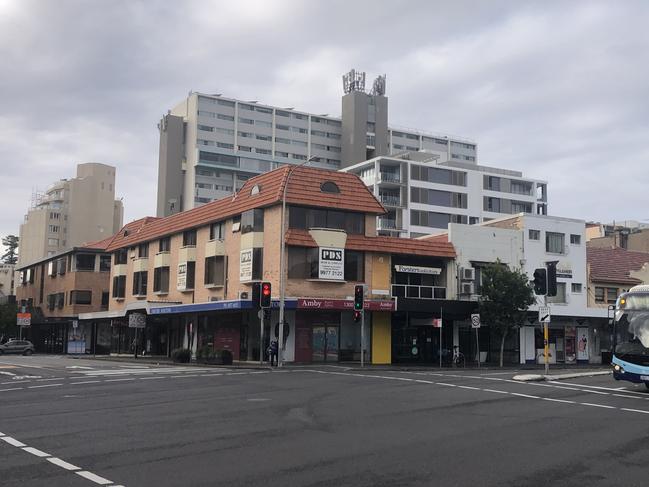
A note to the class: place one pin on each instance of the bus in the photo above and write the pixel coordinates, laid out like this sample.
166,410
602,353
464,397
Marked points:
631,336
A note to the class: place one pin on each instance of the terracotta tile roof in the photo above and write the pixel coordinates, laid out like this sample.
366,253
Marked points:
434,238
391,245
98,244
614,264
303,189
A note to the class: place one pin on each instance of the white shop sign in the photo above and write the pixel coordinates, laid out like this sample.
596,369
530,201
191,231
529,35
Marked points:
331,264
245,265
182,276
414,269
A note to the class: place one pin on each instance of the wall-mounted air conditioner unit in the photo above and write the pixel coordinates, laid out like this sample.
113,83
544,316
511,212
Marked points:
466,288
215,298
243,294
468,274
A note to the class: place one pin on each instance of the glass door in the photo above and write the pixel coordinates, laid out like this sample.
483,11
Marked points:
332,344
319,344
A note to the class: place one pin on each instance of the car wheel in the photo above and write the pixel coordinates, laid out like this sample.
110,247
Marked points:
28,352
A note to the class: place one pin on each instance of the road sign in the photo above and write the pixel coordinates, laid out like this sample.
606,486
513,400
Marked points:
475,320
23,319
137,320
544,314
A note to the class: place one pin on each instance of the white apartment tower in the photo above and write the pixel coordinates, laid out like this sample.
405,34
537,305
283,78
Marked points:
210,144
71,212
426,190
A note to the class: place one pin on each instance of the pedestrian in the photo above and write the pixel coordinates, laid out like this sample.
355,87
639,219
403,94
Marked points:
273,353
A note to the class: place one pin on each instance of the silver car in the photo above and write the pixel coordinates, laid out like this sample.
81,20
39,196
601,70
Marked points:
24,347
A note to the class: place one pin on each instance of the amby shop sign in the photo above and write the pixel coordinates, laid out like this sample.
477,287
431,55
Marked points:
331,264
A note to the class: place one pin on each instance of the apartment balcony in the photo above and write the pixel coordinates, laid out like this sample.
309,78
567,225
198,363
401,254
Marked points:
418,292
388,224
390,177
391,200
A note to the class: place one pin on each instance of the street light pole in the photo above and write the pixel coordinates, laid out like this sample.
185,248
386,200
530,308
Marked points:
282,265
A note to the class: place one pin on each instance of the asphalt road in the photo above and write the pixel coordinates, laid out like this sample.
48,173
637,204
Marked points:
66,422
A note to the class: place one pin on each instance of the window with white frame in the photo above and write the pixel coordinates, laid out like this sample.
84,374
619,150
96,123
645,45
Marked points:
554,242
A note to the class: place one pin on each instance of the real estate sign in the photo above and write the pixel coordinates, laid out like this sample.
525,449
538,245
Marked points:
331,263
245,265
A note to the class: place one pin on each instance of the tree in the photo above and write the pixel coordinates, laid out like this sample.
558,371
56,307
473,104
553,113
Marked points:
8,321
11,243
505,296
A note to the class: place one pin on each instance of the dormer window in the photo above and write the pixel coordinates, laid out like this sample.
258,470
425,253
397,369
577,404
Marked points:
329,187
256,189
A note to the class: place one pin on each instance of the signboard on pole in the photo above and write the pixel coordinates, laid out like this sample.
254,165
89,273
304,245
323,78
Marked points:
24,319
331,263
137,320
475,320
544,314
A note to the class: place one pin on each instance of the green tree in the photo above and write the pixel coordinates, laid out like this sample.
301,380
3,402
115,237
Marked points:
505,296
11,244
8,326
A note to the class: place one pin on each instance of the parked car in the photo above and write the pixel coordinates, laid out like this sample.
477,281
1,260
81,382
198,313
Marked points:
17,346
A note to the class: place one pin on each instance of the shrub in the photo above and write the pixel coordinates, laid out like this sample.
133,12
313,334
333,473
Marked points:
226,357
181,355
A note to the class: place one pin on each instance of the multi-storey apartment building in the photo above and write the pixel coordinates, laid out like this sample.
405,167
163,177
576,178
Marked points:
6,282
210,144
71,212
190,275
56,289
423,193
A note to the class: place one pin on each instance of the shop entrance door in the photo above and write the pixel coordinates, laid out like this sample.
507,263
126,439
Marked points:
325,343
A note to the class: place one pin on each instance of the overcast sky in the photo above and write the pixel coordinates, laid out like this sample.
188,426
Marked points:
558,90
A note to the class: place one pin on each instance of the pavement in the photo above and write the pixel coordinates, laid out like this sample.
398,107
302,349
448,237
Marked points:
85,422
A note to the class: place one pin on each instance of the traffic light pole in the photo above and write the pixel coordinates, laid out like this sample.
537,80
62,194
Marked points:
261,337
363,338
546,341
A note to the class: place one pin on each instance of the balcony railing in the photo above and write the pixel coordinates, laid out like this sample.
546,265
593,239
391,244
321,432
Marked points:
387,224
418,292
390,200
389,177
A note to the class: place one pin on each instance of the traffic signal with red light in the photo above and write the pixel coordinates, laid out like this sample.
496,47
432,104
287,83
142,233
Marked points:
357,316
359,295
264,295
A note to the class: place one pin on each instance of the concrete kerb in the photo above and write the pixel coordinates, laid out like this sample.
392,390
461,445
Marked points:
551,377
169,362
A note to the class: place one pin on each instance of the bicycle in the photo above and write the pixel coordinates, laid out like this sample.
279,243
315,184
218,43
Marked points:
458,358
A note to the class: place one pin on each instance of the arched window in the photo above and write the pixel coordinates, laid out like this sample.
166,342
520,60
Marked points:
329,187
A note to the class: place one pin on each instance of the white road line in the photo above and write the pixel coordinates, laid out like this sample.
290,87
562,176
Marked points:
634,410
63,464
525,395
558,400
628,397
12,441
446,384
494,390
94,478
119,380
36,452
603,388
44,385
15,382
212,375
596,405
85,382
53,378
12,389
152,378
469,387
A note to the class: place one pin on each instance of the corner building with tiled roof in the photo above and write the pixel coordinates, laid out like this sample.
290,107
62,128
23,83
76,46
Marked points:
188,278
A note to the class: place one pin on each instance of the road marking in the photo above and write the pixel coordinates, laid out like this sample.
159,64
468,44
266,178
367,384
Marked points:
602,388
15,382
494,390
628,397
119,380
12,441
85,382
258,399
525,395
62,463
6,373
94,478
44,385
151,378
36,452
558,400
12,389
635,410
53,378
596,405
